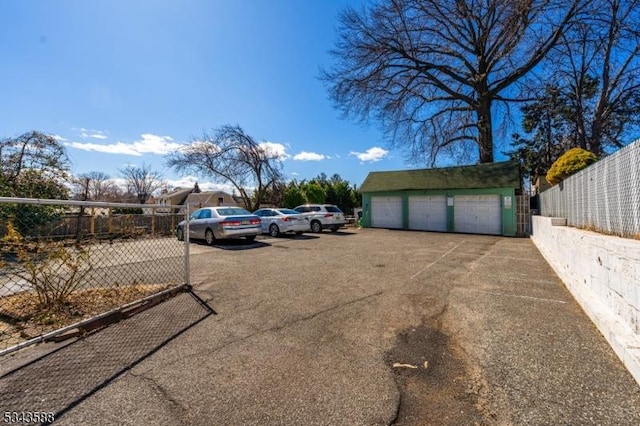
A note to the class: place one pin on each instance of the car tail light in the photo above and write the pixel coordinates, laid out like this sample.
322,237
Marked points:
328,215
231,223
285,219
255,221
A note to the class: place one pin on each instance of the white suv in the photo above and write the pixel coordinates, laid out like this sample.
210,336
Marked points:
323,216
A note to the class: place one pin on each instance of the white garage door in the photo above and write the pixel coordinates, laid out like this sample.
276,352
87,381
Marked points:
386,212
428,213
477,214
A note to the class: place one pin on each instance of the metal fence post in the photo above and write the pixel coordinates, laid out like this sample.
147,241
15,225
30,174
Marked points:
187,265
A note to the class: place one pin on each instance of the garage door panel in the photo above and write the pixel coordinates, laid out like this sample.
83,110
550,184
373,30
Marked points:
386,212
478,214
428,213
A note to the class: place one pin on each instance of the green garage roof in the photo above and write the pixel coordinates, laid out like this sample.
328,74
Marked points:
489,175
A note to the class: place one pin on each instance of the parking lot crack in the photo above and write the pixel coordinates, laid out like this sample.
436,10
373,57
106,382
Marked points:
157,388
261,331
278,327
322,312
398,405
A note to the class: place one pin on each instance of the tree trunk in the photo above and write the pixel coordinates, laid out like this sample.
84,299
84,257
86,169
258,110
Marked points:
485,131
593,144
581,134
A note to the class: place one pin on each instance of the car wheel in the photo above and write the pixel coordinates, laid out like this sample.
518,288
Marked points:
250,237
316,226
209,237
274,231
180,234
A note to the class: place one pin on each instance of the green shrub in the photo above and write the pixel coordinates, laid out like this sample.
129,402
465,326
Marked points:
50,268
569,163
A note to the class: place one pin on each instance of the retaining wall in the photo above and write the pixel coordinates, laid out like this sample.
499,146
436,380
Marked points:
603,274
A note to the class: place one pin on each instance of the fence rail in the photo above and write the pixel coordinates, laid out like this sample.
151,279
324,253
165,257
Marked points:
62,262
604,197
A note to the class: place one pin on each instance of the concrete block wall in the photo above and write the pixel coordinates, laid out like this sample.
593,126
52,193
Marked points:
603,274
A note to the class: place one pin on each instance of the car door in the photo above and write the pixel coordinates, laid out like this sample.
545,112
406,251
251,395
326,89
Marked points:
198,224
317,213
262,214
268,217
193,224
306,211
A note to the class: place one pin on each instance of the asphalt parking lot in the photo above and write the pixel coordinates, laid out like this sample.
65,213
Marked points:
358,327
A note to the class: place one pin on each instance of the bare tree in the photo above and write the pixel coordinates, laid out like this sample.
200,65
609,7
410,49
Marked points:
432,70
142,181
93,186
229,155
597,70
115,193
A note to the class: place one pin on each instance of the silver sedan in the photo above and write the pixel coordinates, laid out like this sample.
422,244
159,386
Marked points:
279,221
212,223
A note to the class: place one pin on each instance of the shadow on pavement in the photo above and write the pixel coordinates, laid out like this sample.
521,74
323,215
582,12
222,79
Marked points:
239,244
233,244
62,379
340,233
297,237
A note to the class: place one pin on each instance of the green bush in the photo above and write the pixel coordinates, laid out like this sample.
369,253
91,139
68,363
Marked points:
569,163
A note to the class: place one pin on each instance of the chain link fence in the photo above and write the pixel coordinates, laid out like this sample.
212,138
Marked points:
604,197
64,263
57,381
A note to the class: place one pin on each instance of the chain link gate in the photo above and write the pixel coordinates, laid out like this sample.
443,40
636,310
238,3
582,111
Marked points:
523,216
68,267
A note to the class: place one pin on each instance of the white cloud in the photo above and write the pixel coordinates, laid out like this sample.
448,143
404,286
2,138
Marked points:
373,154
308,156
119,182
275,148
149,144
156,144
190,181
114,148
94,134
59,138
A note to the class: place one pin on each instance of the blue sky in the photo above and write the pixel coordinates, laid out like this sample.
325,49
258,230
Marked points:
124,82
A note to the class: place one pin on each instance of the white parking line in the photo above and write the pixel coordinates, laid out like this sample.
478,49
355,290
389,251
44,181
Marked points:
436,261
518,296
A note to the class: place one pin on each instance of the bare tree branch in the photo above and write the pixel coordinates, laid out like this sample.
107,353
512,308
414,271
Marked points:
403,61
142,181
229,155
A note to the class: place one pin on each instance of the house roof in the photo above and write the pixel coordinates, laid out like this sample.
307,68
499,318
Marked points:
176,196
489,175
208,197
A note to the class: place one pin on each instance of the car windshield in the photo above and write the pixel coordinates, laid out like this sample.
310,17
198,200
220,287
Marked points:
288,211
232,211
333,209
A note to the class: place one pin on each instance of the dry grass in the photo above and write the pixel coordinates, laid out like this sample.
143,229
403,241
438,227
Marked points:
22,317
